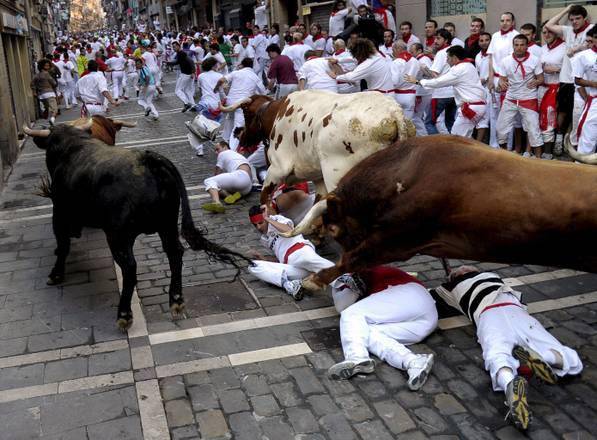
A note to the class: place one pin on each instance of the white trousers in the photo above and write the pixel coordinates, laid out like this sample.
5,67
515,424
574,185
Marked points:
464,126
301,263
157,76
257,159
68,92
501,328
407,101
577,110
95,109
185,89
285,90
131,81
236,181
232,121
530,123
117,83
421,109
385,322
588,133
146,95
258,67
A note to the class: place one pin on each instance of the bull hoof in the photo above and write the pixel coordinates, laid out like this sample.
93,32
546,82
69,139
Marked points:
124,321
178,311
54,279
311,284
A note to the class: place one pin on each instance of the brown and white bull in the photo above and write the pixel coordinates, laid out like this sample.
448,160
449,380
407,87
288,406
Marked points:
453,197
317,135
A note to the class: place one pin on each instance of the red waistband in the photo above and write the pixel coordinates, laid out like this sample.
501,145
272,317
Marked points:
529,104
493,306
295,247
475,103
402,92
383,91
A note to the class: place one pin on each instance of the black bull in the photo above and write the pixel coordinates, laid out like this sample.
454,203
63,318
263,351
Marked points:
125,193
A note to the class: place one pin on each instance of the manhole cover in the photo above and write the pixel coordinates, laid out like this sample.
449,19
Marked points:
209,299
320,339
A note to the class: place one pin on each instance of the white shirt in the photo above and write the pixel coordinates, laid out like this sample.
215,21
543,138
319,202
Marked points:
387,51
464,81
457,42
356,3
440,66
199,52
412,39
130,66
571,40
376,70
389,17
91,86
273,39
424,61
401,67
96,46
482,64
337,21
315,73
535,49
552,57
220,59
261,16
259,43
66,71
517,85
318,44
243,83
245,52
584,66
296,52
278,244
501,46
150,60
207,82
229,161
116,63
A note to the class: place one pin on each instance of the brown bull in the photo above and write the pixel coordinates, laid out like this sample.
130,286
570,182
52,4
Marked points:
452,197
104,128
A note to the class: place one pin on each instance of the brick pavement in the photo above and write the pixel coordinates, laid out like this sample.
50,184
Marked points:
249,362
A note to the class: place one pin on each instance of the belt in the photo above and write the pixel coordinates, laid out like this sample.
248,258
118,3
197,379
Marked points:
475,103
383,91
403,92
292,249
493,306
92,103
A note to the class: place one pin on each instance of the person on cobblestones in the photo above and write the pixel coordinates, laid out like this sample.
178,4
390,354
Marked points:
209,104
295,256
233,178
185,87
92,89
281,74
513,342
44,88
147,89
382,310
313,74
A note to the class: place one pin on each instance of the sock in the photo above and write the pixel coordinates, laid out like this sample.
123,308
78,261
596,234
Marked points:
504,377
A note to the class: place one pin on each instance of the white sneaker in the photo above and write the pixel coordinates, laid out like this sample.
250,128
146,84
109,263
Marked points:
526,154
547,156
52,120
418,370
347,369
293,287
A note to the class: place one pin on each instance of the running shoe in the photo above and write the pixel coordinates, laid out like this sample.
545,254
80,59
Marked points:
232,198
347,369
533,361
516,400
215,207
292,287
418,370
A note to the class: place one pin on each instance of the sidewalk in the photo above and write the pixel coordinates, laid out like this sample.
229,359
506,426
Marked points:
249,362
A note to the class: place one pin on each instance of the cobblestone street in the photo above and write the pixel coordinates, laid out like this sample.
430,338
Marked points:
248,362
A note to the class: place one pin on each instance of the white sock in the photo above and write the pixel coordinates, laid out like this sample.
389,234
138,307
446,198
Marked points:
504,377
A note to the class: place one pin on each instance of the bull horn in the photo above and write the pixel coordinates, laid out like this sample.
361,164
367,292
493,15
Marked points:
304,226
235,106
86,126
125,123
35,133
590,159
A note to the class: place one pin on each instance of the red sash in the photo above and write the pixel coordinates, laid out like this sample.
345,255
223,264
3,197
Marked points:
547,110
292,249
468,112
529,104
586,110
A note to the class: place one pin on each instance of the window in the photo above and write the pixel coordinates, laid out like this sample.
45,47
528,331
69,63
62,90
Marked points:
457,7
564,3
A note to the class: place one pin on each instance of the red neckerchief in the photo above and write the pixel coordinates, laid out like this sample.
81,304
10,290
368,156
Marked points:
429,41
406,37
421,55
507,31
465,60
555,43
312,58
338,52
583,27
388,45
317,37
532,43
382,11
335,12
472,39
594,49
519,62
406,56
483,53
443,47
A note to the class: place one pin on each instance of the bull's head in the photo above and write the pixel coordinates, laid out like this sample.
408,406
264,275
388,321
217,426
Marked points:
44,138
252,108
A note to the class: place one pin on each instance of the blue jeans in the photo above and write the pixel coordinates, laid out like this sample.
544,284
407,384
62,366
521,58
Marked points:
447,105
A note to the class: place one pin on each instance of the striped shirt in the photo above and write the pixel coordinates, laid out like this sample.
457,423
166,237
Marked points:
472,292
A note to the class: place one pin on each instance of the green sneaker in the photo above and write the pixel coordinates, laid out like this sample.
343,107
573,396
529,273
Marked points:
214,207
232,198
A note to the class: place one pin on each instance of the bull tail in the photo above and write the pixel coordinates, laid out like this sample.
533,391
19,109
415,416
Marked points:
196,238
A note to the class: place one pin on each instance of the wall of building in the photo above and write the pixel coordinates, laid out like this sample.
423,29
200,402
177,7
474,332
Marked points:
414,11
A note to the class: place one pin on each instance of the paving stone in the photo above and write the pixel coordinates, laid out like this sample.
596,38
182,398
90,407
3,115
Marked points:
13,347
184,432
265,406
244,426
338,387
276,428
430,421
286,394
68,338
73,434
302,420
390,376
337,427
144,374
542,434
320,360
172,388
65,369
274,370
179,413
199,378
203,397
212,424
410,399
469,429
16,377
583,415
125,428
355,408
462,390
294,361
322,404
233,401
255,385
394,416
224,378
372,388
373,430
578,435
509,433
306,381
112,362
23,424
447,404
